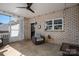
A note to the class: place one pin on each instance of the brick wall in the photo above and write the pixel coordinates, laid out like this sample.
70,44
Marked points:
71,25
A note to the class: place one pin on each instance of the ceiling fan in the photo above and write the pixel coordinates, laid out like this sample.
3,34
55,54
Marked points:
28,7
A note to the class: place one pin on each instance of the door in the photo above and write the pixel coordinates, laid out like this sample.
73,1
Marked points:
32,30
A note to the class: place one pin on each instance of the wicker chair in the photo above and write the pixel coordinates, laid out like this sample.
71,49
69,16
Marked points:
38,39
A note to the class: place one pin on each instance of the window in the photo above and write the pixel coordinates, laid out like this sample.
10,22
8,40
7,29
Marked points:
48,25
14,27
4,19
14,30
58,24
54,25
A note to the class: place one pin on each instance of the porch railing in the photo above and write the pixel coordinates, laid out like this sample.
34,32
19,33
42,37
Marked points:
5,37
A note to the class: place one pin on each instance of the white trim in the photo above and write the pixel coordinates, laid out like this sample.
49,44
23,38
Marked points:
48,25
60,24
54,24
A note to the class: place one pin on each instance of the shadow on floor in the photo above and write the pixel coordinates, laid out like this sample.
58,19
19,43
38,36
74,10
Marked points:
2,53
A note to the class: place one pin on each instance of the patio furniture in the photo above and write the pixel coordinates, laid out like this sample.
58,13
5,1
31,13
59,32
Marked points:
4,37
1,42
70,49
38,39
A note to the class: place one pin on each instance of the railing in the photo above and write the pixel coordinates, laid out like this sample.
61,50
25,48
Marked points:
5,36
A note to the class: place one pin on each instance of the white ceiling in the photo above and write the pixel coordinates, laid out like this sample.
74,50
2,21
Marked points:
39,8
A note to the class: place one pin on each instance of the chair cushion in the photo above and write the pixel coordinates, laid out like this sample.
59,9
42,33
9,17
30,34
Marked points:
39,39
0,41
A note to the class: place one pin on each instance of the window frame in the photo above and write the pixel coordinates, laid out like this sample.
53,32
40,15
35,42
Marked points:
59,24
48,25
52,29
14,29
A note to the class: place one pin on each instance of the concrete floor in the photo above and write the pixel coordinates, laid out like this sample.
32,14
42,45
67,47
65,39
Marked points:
27,48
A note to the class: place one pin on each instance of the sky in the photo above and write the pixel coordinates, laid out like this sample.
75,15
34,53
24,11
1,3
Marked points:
4,19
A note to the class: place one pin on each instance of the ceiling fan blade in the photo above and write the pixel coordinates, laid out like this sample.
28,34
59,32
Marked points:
21,7
31,10
29,5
